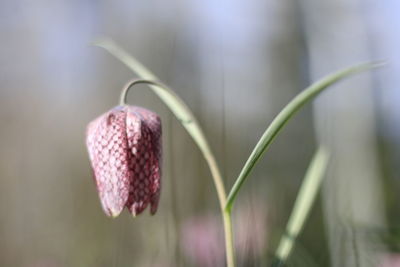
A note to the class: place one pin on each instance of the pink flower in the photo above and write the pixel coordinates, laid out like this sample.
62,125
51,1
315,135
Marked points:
251,230
124,147
390,260
203,241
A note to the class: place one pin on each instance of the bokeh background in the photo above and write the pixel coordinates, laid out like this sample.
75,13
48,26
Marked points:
236,64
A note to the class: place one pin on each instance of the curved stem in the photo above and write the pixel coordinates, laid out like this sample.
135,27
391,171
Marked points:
189,121
130,84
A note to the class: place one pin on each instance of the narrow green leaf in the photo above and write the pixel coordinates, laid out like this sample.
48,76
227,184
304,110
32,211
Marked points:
283,117
304,202
177,107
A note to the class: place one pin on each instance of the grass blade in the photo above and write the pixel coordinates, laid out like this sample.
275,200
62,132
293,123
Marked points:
283,117
304,201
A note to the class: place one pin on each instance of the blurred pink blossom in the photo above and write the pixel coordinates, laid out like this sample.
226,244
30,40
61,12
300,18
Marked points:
203,240
390,260
250,226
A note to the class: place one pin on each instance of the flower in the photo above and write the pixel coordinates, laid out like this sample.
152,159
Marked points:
124,146
251,230
390,260
203,240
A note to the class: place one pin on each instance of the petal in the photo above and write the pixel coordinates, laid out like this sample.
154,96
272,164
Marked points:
153,121
108,151
145,142
156,167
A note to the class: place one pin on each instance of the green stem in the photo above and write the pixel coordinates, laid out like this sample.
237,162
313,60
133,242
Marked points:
230,249
188,121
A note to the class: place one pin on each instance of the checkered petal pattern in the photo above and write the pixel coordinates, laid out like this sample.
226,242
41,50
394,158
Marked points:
124,146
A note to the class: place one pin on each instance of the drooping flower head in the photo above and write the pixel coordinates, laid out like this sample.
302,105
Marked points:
124,146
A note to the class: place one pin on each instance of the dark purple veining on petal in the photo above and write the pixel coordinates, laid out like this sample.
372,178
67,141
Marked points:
124,146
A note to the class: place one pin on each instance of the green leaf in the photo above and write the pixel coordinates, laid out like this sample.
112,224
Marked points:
283,117
304,201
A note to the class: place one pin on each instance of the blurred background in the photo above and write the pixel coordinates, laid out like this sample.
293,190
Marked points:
236,64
